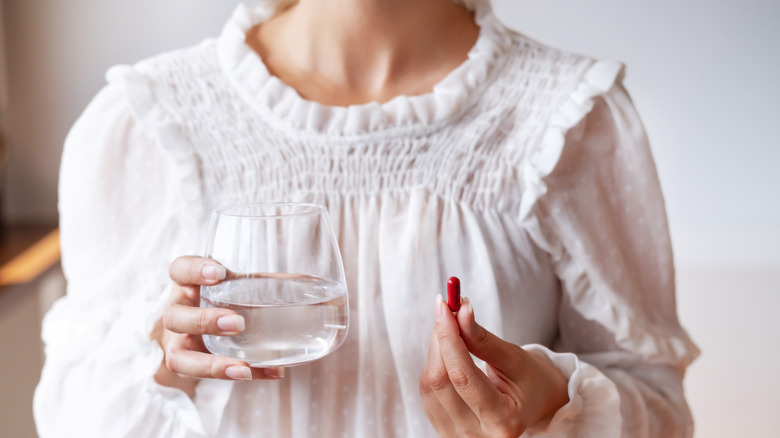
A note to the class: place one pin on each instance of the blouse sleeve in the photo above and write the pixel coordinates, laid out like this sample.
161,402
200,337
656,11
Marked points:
120,206
600,214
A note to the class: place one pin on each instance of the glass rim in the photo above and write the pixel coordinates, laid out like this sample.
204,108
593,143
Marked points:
310,209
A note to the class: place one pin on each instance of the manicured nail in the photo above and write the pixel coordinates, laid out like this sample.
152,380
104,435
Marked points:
439,307
231,323
469,309
238,373
213,271
274,373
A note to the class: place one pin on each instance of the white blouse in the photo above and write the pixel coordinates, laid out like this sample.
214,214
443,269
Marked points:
526,173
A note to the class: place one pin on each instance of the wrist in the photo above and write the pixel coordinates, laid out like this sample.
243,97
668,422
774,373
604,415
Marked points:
555,388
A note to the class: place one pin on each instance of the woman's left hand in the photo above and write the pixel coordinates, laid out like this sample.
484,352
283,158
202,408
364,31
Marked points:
520,388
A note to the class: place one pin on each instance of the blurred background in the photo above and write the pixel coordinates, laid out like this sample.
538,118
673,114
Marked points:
705,77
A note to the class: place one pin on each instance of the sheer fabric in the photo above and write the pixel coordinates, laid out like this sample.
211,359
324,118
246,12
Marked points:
526,172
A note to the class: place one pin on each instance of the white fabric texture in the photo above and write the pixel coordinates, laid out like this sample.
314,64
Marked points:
526,173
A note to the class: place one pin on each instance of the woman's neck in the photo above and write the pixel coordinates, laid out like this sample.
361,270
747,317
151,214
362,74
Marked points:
343,52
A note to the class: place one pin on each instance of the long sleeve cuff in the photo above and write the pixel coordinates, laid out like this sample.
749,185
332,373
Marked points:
117,382
594,401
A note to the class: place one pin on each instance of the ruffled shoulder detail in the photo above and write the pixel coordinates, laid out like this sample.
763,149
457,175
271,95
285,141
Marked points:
159,123
597,79
164,127
273,99
634,333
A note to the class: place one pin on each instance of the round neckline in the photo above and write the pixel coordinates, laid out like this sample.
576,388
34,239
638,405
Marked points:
282,105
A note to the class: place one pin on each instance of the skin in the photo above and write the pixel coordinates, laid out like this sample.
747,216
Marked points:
347,52
519,389
179,331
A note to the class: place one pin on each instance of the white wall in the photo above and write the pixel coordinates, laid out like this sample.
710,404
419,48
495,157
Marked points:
705,76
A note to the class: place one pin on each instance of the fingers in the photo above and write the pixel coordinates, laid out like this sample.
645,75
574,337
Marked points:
471,384
502,355
442,403
185,354
185,319
192,270
181,359
434,410
519,374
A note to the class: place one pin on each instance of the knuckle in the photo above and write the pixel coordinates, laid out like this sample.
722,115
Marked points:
167,318
203,323
459,378
185,269
424,386
170,362
438,380
446,338
483,337
193,269
214,368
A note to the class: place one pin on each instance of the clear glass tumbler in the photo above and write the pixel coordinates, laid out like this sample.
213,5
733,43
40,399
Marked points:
285,277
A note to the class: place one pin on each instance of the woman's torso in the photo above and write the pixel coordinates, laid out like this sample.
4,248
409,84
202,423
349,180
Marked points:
418,189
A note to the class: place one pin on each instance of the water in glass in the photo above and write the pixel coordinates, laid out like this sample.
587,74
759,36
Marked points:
290,319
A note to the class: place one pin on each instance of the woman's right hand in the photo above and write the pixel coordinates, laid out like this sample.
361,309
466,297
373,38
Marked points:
183,323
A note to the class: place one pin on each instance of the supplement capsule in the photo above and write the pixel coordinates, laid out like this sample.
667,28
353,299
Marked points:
453,293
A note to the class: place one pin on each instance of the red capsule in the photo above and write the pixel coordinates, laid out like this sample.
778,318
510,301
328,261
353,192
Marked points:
453,293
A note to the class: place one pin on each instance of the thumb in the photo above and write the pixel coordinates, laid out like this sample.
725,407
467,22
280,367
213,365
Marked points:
498,353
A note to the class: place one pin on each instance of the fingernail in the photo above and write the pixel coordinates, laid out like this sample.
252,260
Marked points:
439,307
213,271
470,311
231,323
238,373
274,373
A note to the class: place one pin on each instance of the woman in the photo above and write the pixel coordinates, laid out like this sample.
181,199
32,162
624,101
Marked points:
442,144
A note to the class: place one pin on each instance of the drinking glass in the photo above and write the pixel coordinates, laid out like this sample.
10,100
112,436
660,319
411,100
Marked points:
285,277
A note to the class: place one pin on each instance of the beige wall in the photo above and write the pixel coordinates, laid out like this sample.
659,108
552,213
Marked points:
21,349
57,53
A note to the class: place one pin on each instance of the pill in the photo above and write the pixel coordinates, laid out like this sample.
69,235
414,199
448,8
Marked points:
453,293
